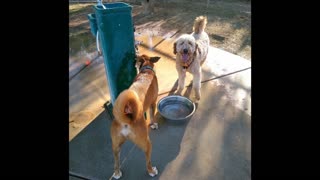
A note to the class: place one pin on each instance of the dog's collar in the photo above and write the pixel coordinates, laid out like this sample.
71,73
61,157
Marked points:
186,65
146,67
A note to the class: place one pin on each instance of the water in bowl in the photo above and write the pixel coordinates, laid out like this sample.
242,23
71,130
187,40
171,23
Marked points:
176,110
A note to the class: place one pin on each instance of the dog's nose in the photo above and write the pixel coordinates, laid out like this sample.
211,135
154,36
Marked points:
185,51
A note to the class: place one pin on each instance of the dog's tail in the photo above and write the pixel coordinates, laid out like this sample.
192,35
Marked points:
127,107
199,24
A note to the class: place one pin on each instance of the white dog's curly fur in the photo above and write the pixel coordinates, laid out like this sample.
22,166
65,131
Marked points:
191,51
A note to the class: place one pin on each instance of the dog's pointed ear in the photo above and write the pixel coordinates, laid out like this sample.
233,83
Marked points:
139,59
175,47
139,62
154,59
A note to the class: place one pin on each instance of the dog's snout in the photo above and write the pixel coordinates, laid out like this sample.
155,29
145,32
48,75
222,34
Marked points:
185,50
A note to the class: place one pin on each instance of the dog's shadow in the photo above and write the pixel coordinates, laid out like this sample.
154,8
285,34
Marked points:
175,87
187,92
167,139
166,143
165,146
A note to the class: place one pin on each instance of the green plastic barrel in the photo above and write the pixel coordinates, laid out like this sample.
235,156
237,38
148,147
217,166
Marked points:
116,36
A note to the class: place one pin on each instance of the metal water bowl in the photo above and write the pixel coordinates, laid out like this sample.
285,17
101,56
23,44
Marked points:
176,109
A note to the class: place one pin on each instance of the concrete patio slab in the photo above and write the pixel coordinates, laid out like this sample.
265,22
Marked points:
214,144
88,91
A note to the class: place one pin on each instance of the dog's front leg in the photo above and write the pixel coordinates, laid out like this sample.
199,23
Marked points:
197,84
181,81
144,143
152,110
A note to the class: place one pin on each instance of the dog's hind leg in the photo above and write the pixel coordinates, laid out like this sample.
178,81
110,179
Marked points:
117,141
152,110
146,146
153,171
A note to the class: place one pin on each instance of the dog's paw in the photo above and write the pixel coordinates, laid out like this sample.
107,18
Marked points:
117,175
154,172
154,126
197,97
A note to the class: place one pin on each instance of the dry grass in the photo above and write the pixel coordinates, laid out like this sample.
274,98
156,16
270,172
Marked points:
229,22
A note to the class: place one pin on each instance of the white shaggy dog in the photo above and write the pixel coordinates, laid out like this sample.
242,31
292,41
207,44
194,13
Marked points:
191,51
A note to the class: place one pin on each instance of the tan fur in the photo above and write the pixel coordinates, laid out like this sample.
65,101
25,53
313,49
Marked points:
128,110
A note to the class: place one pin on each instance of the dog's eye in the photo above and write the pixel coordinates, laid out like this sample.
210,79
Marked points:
181,43
190,43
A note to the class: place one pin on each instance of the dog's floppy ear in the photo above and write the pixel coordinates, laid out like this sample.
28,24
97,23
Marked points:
139,59
139,62
175,47
154,59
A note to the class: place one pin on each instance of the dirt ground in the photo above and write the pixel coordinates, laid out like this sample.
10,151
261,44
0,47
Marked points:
229,23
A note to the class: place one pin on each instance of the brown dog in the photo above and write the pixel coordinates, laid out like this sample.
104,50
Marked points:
128,110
